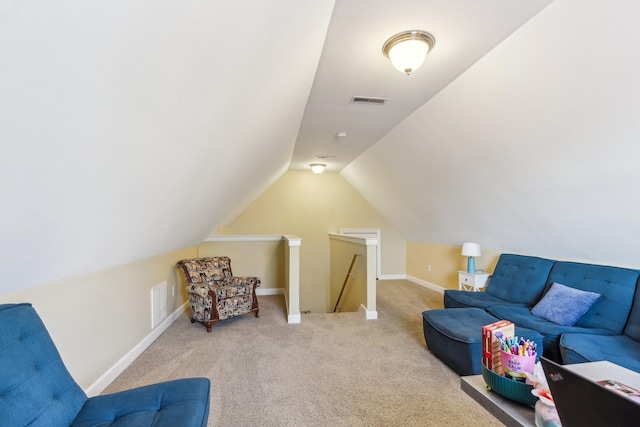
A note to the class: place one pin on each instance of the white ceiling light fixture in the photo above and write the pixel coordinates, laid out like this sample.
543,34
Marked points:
317,168
407,50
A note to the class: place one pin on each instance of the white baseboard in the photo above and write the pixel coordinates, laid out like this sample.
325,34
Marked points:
112,373
270,291
426,284
392,276
368,314
293,318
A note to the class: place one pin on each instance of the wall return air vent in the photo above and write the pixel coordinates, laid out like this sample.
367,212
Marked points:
368,100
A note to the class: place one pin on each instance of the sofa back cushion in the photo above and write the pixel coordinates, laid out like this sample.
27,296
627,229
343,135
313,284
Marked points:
615,285
35,386
632,330
519,278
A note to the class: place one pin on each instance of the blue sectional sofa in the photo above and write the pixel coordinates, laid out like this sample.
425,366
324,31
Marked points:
523,285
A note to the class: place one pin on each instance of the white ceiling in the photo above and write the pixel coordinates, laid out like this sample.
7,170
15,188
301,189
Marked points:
532,150
132,129
352,64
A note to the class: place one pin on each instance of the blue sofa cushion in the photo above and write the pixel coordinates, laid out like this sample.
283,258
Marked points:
35,386
455,337
183,402
618,349
615,285
466,299
564,305
519,279
632,330
551,332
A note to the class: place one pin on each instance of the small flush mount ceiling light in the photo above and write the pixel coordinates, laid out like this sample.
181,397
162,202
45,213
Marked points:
407,50
317,168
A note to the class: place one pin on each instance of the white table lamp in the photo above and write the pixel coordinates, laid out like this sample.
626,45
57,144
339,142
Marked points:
471,250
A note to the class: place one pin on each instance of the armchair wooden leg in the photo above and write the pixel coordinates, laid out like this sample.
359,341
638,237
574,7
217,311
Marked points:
257,315
209,324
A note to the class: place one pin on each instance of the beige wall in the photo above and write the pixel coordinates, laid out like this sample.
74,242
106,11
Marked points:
445,262
263,259
312,206
97,318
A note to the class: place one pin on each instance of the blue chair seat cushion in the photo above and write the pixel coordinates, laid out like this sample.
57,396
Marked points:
551,332
454,335
618,349
166,404
465,299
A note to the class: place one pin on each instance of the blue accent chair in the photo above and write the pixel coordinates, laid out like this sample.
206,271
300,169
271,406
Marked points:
37,390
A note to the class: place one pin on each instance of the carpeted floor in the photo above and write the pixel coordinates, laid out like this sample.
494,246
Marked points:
329,370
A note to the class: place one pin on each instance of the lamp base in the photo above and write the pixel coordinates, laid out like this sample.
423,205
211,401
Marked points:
471,265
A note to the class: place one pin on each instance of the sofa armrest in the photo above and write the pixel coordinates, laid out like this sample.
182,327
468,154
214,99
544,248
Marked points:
253,282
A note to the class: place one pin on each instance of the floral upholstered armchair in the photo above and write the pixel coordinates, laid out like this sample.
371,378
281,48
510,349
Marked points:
214,293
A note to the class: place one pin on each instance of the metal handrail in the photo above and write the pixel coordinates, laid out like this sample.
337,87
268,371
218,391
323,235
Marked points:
346,279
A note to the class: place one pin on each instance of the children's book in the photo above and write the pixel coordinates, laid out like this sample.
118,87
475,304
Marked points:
491,346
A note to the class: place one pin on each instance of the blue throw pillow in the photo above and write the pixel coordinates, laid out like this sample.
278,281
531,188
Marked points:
564,305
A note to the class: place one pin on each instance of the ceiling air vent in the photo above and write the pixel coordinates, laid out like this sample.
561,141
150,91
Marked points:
368,100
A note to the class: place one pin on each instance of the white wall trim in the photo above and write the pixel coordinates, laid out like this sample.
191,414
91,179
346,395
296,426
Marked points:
270,291
292,240
392,277
368,314
293,318
367,232
112,373
243,238
426,284
367,241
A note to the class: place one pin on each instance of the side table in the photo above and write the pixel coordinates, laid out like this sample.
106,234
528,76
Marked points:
472,281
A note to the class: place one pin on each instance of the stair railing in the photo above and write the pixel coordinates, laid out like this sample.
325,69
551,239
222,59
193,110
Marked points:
346,279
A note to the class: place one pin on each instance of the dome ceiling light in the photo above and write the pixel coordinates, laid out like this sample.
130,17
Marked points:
317,168
407,50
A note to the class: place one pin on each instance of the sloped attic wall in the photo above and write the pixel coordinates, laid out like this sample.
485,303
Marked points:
533,150
132,129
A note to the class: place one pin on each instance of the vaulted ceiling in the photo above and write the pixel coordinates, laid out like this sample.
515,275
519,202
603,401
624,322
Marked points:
352,65
131,129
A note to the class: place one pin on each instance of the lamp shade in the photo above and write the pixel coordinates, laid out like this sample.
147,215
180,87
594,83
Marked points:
471,249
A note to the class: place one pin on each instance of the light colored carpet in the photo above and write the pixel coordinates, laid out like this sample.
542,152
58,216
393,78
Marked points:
329,370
